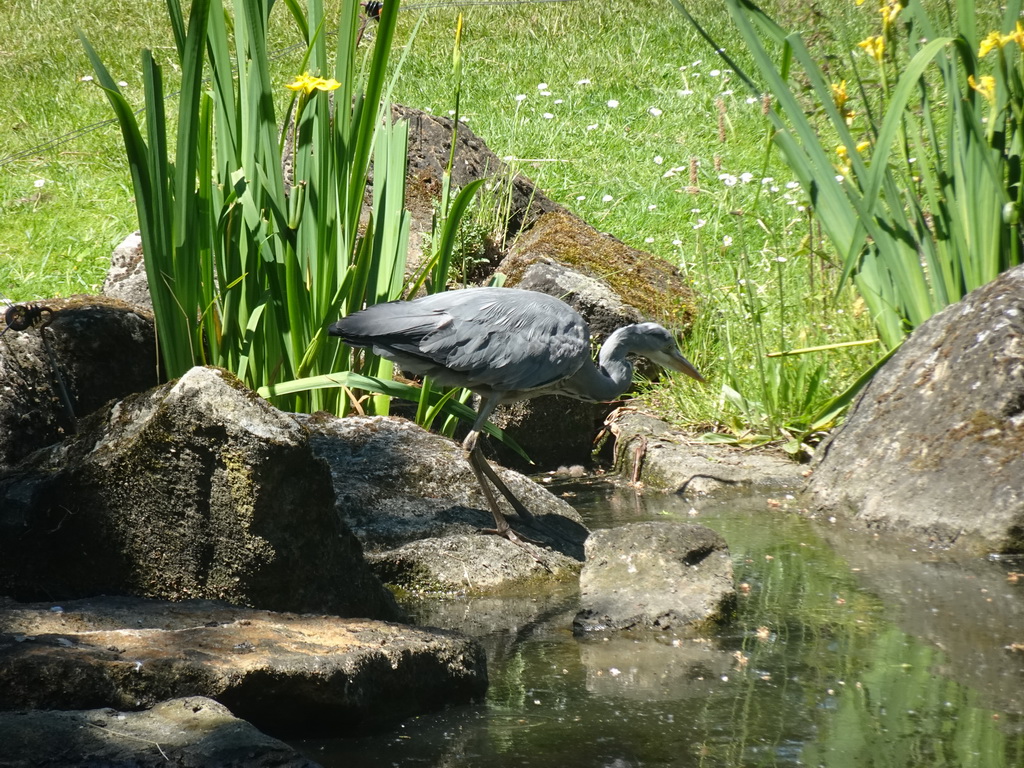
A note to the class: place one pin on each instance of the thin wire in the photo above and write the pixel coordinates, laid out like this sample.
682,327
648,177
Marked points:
60,141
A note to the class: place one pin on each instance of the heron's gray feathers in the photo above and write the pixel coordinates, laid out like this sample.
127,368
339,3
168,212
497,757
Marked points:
491,340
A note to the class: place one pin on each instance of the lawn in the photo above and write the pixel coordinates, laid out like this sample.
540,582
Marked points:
618,110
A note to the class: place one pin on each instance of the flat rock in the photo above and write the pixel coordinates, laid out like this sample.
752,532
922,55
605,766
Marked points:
285,673
649,451
934,445
413,501
187,732
194,489
672,577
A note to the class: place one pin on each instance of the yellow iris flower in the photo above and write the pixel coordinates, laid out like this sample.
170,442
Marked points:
874,46
985,85
308,83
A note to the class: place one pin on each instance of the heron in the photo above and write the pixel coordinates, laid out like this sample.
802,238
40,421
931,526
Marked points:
504,345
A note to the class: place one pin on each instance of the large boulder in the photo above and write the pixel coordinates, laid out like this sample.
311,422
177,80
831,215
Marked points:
195,489
286,673
934,445
192,731
412,499
660,576
81,353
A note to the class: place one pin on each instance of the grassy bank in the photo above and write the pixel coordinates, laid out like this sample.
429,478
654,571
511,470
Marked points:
617,110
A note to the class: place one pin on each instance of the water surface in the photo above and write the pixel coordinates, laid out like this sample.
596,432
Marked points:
847,650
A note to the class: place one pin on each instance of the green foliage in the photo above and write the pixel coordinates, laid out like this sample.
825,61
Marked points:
245,270
922,197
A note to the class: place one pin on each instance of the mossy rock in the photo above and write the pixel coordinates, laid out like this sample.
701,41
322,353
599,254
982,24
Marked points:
642,280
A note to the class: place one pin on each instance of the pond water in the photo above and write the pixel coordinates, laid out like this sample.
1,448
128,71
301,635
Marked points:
847,650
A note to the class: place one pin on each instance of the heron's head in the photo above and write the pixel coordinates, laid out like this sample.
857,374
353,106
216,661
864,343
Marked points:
654,342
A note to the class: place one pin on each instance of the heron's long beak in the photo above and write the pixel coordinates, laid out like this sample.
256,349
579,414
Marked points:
673,359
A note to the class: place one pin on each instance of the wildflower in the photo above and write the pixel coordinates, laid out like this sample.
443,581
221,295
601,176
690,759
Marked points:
986,86
612,104
655,112
592,126
746,177
839,94
658,159
700,223
874,46
607,199
542,86
39,183
727,241
584,81
648,239
548,116
995,39
307,83
863,145
581,198
520,97
715,72
86,78
889,12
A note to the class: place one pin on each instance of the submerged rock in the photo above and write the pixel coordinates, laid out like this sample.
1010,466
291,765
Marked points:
192,731
671,577
195,489
286,673
934,445
414,502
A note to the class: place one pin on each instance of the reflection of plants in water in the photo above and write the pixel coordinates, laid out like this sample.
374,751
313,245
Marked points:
825,679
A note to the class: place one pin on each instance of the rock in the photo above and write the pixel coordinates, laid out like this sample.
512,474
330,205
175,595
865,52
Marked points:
126,278
430,140
648,450
608,282
672,577
934,445
414,502
286,673
196,489
84,352
192,731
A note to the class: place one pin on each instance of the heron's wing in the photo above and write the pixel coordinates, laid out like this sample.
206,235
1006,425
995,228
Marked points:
496,339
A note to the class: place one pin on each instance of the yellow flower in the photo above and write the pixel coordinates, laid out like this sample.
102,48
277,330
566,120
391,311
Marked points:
863,145
889,12
991,41
841,151
839,94
874,46
307,83
986,86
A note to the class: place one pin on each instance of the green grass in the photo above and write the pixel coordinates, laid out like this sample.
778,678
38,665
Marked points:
770,288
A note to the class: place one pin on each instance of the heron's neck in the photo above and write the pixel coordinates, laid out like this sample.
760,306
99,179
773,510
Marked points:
610,376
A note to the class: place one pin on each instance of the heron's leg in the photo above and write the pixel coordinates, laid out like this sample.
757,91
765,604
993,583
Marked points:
483,473
505,491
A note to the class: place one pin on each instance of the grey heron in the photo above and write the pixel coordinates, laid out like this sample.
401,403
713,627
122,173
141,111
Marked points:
506,344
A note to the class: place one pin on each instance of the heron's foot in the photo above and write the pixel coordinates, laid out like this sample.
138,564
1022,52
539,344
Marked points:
520,540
